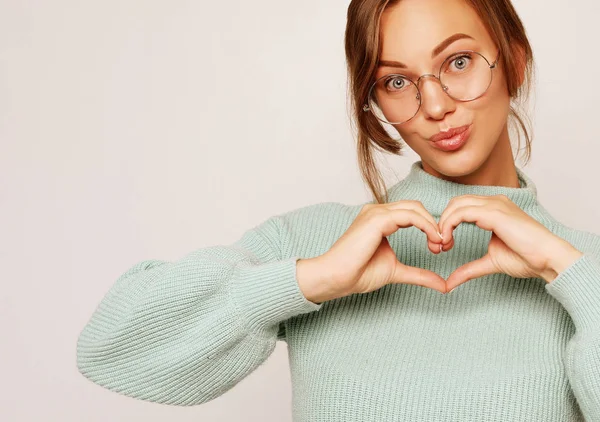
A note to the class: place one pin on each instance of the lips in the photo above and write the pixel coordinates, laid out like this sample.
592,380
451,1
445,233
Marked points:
448,134
454,143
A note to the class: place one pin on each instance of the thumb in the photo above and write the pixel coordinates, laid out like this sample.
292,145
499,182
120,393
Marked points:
478,268
405,274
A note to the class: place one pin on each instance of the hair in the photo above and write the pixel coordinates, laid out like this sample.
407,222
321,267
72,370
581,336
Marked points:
362,47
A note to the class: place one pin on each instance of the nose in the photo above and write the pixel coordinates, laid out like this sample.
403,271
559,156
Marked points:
435,103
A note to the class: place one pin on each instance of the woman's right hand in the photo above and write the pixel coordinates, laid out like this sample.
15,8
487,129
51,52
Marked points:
362,260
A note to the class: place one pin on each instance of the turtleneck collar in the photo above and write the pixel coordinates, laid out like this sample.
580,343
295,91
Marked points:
435,193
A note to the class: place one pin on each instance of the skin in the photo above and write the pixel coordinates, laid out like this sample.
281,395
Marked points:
520,246
410,30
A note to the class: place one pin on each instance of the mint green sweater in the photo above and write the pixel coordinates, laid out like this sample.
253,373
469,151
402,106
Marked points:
495,349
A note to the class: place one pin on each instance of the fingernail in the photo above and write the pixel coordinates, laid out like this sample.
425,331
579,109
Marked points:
441,237
450,291
441,246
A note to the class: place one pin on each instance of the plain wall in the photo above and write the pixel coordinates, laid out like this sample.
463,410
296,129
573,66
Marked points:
133,130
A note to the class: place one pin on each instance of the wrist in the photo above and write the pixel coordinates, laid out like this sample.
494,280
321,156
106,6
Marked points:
315,280
562,255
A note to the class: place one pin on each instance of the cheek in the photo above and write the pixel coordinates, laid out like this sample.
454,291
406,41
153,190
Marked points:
413,128
496,99
492,108
409,131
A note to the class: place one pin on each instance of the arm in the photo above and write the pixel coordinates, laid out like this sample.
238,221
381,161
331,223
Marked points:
577,288
185,332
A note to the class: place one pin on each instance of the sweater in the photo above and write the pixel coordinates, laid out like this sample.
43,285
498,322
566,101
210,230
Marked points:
497,348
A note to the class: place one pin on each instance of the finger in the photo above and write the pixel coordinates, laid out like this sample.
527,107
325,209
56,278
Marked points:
405,274
435,248
406,218
478,268
418,207
446,247
477,214
458,202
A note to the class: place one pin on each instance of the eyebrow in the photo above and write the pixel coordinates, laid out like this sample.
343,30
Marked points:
441,47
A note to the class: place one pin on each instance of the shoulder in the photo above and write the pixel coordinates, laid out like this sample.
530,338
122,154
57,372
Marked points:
589,242
311,228
319,215
586,241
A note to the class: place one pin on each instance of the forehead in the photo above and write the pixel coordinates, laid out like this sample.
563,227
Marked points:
411,29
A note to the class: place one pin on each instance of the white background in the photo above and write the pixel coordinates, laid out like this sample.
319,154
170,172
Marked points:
134,130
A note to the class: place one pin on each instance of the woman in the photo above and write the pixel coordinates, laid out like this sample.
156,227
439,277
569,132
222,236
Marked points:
355,291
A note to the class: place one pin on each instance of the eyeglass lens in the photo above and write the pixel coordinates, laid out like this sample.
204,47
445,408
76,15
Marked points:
394,98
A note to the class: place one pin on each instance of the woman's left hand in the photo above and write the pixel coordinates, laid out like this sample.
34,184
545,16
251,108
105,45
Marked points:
520,246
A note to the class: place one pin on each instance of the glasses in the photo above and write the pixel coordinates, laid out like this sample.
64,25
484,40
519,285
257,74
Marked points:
465,76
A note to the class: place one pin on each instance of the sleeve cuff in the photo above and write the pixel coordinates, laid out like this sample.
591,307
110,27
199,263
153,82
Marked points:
577,288
268,294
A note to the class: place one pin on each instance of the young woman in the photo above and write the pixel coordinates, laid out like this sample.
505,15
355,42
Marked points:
359,292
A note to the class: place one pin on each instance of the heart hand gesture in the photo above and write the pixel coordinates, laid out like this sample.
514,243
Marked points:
520,246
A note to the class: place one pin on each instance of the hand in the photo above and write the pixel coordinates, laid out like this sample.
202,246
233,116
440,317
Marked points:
362,260
520,246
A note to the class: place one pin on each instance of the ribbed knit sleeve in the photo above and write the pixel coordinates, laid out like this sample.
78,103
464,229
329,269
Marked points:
577,288
185,332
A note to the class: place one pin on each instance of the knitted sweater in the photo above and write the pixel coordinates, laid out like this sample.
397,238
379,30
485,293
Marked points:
497,348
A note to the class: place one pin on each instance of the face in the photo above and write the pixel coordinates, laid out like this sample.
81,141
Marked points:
410,31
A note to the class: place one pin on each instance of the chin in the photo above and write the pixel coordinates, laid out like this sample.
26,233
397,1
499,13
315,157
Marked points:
455,165
462,162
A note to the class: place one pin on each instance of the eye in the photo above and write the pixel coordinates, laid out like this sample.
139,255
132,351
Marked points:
461,62
395,83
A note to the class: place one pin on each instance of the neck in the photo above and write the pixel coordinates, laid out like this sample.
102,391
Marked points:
435,193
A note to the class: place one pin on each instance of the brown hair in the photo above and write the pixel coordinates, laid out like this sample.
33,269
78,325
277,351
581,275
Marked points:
362,53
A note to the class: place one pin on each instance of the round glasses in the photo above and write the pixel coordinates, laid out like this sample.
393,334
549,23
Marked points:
464,76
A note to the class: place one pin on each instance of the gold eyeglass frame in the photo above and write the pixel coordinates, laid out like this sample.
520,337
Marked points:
492,66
